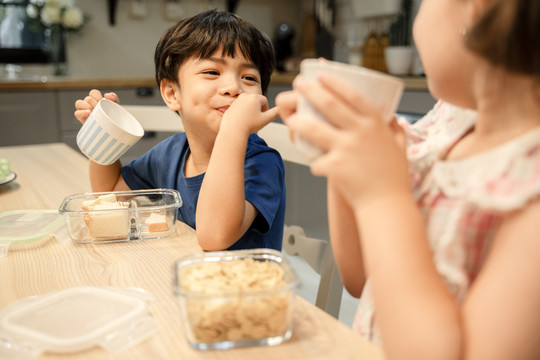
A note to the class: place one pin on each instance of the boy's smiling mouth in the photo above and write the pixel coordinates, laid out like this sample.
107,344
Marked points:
222,109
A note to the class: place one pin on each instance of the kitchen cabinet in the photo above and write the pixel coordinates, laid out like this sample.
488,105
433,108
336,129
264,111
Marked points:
44,116
28,118
416,103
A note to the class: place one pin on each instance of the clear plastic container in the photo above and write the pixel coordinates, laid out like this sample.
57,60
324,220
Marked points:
24,228
133,215
235,298
75,319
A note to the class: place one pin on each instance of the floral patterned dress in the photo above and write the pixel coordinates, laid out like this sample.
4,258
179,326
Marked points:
463,201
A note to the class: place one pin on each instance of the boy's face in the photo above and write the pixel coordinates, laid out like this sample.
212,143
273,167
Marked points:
209,86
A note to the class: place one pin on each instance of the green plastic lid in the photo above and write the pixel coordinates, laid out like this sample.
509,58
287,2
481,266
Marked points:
27,226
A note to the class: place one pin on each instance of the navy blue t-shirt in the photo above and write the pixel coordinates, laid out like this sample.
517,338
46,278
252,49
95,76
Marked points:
264,183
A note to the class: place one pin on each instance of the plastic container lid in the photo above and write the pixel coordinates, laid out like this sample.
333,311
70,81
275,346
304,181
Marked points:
27,226
75,319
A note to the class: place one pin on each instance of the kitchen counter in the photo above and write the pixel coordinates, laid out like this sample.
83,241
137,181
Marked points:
71,83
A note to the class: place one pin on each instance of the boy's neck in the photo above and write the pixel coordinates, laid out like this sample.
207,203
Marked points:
191,168
197,159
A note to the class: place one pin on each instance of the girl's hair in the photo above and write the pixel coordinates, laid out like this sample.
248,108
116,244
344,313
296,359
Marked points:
508,34
203,34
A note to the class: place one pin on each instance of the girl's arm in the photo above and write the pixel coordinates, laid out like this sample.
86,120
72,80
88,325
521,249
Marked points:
344,236
500,313
417,316
345,241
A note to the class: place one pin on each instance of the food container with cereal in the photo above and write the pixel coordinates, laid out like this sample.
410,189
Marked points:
235,298
121,215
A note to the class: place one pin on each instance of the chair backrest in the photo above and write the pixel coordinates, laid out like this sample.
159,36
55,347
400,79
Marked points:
277,136
316,252
156,117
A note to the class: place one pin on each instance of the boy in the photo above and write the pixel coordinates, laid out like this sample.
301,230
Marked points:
212,69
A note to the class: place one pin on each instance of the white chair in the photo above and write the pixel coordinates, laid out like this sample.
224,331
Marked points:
316,252
156,118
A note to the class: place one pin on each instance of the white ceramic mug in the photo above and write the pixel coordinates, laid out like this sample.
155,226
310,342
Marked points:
108,133
383,90
399,59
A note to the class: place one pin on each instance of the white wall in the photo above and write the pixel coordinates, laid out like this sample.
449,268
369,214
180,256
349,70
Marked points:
127,48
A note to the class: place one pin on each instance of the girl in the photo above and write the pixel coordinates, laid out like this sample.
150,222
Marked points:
451,266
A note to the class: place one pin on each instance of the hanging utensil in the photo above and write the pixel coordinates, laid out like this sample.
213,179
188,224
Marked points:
231,5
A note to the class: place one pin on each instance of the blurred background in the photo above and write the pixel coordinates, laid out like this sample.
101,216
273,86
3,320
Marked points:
53,52
118,36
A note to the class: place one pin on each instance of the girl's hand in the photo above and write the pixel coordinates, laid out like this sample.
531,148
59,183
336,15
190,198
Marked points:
287,102
85,107
363,156
249,113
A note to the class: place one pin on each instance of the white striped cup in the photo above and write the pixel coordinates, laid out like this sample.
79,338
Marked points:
108,133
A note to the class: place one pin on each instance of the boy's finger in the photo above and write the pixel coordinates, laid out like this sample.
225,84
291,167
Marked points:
81,105
96,94
82,115
112,96
271,114
91,101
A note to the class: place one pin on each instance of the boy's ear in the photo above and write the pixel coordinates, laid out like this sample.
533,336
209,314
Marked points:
477,8
170,94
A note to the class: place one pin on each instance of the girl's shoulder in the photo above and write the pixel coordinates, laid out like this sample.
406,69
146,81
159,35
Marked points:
504,178
443,123
510,173
430,138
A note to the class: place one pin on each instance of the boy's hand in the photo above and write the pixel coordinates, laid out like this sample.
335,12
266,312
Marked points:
85,107
249,113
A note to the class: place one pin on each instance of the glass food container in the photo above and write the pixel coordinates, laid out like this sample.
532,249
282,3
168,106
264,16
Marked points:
75,319
121,215
235,298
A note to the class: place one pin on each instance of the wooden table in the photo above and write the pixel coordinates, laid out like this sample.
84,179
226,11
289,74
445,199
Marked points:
48,173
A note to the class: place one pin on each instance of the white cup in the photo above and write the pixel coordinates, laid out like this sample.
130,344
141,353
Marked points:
108,133
399,59
383,90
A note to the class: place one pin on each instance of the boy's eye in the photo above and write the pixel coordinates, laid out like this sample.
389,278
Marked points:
211,72
251,78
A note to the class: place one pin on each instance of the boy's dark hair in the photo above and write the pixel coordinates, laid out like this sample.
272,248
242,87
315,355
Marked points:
203,34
